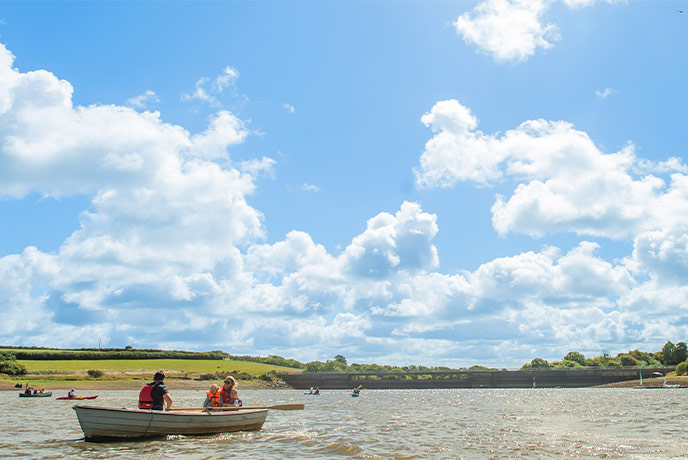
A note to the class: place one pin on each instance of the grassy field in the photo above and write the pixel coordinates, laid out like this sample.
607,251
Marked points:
149,366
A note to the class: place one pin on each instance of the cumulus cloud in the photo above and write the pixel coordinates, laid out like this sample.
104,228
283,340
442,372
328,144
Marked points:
169,235
289,108
567,184
508,30
512,30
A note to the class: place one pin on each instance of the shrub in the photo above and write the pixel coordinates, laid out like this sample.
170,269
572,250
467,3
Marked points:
627,360
682,368
12,368
95,373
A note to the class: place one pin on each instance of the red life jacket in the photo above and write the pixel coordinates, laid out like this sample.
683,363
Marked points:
227,396
213,399
145,398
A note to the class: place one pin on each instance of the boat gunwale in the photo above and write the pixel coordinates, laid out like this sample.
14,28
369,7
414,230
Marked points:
194,413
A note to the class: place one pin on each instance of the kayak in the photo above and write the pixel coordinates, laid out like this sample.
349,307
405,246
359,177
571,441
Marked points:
77,397
100,423
37,395
311,394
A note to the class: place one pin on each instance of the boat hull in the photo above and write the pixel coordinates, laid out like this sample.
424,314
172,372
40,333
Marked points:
38,395
75,398
102,423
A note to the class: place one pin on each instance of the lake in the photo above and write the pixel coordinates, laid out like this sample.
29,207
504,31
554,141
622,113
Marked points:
383,424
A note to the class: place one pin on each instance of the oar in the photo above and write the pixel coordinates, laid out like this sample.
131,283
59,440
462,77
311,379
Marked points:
275,407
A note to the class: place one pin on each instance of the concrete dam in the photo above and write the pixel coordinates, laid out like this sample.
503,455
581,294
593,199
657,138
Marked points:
538,378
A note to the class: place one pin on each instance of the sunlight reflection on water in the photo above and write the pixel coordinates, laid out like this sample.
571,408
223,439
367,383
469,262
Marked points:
385,424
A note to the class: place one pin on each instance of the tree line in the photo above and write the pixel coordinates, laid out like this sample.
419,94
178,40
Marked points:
55,354
669,355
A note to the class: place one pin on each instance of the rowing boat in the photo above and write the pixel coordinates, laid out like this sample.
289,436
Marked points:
102,423
37,395
76,397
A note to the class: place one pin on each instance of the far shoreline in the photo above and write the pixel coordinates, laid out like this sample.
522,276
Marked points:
202,385
131,385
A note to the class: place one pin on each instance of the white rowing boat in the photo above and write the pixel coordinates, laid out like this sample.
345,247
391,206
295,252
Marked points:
99,423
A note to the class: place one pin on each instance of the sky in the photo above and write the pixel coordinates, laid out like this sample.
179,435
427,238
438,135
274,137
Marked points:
399,182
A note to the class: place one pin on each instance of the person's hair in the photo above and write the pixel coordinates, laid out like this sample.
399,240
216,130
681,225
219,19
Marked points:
232,382
214,387
160,375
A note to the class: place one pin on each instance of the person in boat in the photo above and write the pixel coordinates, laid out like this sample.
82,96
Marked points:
42,391
310,392
212,398
71,393
317,391
155,395
357,390
28,390
35,391
228,394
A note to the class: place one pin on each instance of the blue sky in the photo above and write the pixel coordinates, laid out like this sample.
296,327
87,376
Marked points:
405,182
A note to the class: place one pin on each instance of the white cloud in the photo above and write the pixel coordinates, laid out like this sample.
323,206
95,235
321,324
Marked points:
512,30
225,129
289,108
509,30
567,183
169,235
310,187
604,93
143,101
207,90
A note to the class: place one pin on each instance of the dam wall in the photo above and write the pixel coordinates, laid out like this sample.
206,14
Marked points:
539,378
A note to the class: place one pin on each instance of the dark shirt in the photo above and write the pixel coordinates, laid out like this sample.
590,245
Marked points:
157,394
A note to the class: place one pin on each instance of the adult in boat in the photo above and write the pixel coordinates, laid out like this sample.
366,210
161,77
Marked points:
357,390
228,394
71,393
154,395
317,391
212,398
311,391
28,389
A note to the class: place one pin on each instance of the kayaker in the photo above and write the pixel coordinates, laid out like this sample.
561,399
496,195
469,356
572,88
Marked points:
228,394
317,391
212,398
71,393
154,395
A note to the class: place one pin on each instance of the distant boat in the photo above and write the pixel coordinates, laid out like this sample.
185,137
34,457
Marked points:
37,395
77,397
355,395
99,423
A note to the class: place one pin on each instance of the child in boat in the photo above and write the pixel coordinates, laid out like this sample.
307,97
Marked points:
228,394
212,398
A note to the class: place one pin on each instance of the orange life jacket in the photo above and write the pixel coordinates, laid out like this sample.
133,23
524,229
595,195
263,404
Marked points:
213,399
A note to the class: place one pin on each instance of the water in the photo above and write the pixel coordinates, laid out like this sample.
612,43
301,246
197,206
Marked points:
384,424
